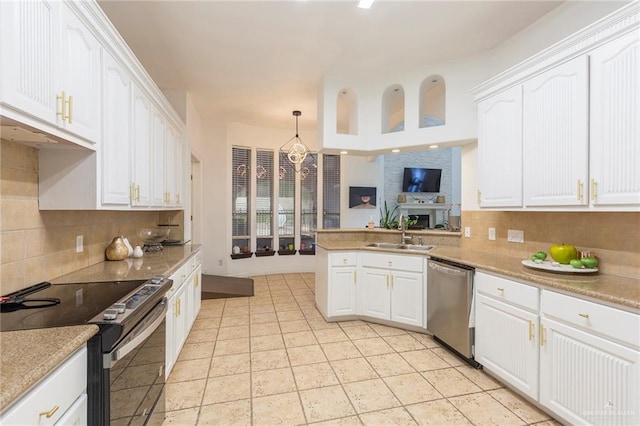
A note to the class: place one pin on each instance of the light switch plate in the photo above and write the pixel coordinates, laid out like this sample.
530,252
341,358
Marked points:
492,234
79,243
467,231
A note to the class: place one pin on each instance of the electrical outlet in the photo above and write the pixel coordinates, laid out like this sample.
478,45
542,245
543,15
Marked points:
515,236
492,234
467,231
219,262
79,243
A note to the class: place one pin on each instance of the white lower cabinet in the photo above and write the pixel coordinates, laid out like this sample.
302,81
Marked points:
589,361
579,359
393,288
60,398
506,329
343,291
183,304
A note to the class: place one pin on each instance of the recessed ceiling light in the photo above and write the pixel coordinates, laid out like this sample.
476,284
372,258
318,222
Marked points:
365,4
433,146
344,152
395,150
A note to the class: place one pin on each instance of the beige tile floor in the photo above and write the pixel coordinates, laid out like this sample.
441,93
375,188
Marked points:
272,359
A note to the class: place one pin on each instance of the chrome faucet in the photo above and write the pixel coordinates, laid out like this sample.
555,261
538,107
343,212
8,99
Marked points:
402,227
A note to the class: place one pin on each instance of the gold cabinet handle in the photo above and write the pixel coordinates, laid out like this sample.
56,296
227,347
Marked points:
344,261
543,337
49,413
197,278
63,102
389,263
594,189
579,190
354,277
177,198
387,280
70,111
392,281
531,336
500,289
583,315
479,195
138,193
132,197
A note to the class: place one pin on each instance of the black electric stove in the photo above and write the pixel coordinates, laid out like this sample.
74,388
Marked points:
130,316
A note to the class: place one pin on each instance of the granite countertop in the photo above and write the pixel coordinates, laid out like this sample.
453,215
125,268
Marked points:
164,262
621,292
29,355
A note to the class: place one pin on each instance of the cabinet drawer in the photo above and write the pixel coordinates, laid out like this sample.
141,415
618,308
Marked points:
508,291
395,262
59,389
594,317
344,259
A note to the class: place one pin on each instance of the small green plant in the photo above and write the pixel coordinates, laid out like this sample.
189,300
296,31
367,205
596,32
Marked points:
388,218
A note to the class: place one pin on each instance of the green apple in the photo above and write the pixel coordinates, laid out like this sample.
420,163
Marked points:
589,262
540,255
576,263
563,253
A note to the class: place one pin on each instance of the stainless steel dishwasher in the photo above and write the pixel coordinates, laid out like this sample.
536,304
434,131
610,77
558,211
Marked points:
449,303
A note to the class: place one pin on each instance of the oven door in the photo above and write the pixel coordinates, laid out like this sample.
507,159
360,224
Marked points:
136,370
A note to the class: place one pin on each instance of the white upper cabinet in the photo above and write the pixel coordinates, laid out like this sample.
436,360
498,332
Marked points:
500,142
29,35
158,192
79,77
141,150
174,168
50,69
555,136
615,130
115,151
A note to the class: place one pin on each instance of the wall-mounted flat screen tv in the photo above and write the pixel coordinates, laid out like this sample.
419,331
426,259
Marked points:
417,179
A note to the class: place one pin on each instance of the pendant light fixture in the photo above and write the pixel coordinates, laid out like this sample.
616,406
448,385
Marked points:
295,149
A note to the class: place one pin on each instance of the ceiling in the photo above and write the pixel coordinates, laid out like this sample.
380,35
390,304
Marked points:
256,61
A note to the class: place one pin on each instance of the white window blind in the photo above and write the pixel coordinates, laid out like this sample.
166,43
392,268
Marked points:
331,191
286,197
264,199
241,196
308,200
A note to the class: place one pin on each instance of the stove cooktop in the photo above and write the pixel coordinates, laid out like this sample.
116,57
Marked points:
80,303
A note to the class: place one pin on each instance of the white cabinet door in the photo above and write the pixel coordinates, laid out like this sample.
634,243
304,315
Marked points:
79,76
176,326
500,142
197,292
115,150
30,38
615,133
170,325
586,379
407,298
76,415
342,291
141,158
506,343
173,156
375,293
157,158
555,136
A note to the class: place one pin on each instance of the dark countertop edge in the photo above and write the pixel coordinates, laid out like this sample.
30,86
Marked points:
569,284
42,350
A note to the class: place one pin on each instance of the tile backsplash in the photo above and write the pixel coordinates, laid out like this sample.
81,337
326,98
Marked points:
39,245
614,237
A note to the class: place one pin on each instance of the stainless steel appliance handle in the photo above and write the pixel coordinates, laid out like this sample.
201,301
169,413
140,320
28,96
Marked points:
138,335
447,270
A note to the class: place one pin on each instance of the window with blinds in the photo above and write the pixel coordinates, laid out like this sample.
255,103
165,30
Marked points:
241,197
331,191
286,202
264,200
308,201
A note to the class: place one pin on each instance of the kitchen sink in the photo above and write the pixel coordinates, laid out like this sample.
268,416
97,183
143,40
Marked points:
400,246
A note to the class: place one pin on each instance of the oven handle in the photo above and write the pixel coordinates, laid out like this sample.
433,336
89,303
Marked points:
138,335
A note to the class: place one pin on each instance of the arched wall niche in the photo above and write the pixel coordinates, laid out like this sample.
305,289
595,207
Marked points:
433,93
392,118
347,112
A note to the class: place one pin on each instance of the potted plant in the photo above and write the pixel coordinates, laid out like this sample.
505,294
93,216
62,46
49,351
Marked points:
388,218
